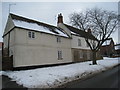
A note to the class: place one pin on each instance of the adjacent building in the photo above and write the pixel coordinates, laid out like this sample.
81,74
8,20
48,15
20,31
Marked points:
80,49
107,48
0,55
1,45
117,50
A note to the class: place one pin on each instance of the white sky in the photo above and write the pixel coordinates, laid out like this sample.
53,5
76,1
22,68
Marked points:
47,11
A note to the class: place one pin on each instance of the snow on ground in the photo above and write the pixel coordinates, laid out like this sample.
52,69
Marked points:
107,58
0,73
58,75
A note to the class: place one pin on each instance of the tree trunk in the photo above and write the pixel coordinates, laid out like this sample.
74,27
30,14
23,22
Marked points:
94,57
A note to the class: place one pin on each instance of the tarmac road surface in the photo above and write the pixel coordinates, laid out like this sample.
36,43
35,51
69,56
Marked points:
107,79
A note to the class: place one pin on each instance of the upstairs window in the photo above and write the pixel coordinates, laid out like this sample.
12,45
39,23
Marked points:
79,42
58,39
31,34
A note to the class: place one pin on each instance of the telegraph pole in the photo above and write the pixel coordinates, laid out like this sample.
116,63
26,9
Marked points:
9,32
10,6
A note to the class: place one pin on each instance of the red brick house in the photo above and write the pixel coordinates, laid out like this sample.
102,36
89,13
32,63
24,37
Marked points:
117,50
1,45
1,55
108,49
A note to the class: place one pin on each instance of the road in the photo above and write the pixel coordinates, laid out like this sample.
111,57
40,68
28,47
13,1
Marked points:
107,79
7,83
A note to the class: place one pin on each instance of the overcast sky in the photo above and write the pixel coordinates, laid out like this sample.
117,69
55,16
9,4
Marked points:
47,11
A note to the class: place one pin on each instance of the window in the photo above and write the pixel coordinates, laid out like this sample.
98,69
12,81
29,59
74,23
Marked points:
88,55
58,39
79,42
31,34
87,44
60,55
81,54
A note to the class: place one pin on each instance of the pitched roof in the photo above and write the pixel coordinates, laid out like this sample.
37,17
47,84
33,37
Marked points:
80,33
107,42
30,24
117,47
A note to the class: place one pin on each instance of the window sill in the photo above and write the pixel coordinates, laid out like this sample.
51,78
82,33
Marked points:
60,58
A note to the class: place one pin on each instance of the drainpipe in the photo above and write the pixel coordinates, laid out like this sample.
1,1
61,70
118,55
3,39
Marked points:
2,50
8,42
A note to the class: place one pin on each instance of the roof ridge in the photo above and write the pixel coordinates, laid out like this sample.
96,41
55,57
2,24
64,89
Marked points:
31,24
81,32
74,27
27,19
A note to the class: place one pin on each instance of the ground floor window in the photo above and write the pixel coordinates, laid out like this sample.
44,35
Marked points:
88,55
60,55
81,54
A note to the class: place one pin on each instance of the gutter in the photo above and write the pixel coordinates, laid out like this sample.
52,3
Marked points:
8,32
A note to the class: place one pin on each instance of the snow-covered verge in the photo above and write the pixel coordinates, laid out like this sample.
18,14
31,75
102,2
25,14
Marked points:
58,75
1,73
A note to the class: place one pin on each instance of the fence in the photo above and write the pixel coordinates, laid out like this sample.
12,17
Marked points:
7,61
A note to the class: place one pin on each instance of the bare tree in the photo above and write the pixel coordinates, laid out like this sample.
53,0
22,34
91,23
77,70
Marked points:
102,24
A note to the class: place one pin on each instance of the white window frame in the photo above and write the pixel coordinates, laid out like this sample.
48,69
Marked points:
79,42
58,39
31,34
81,54
60,55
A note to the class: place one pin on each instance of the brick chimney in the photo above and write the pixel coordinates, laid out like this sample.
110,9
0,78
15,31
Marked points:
60,18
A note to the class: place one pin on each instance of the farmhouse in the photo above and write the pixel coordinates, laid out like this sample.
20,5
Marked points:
30,43
117,50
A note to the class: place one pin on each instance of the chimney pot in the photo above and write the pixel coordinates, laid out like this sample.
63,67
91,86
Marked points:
89,30
60,18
